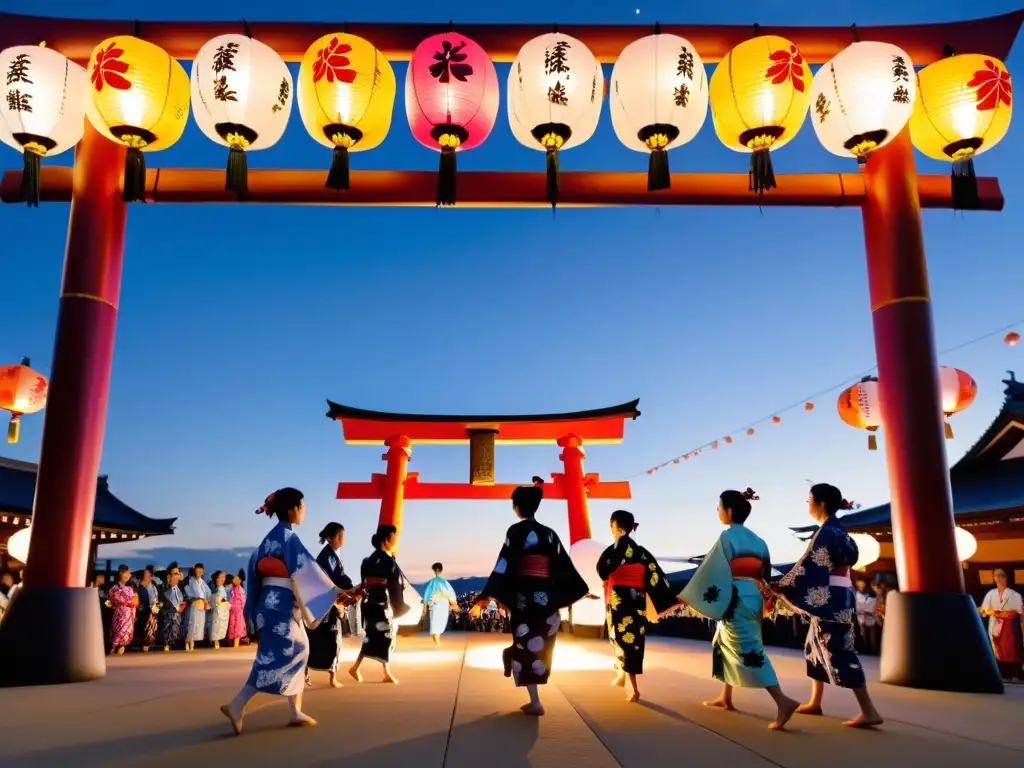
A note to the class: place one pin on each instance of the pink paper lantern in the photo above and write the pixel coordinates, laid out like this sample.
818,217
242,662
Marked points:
451,99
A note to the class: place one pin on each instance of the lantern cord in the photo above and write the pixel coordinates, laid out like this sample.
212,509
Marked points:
337,177
237,178
553,177
658,176
30,181
446,175
854,32
657,27
451,25
134,176
137,29
964,186
245,29
555,28
757,29
344,28
762,175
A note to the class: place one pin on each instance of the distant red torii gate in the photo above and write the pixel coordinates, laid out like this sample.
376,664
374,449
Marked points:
399,431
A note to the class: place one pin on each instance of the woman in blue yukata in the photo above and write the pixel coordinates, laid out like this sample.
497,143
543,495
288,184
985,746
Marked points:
818,588
286,590
439,597
199,597
534,578
728,588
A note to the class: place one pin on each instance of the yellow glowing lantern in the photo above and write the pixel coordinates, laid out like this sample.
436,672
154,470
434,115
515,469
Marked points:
760,93
139,98
17,545
963,108
966,544
868,550
346,96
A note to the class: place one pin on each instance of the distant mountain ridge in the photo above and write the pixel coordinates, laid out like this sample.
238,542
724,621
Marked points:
469,584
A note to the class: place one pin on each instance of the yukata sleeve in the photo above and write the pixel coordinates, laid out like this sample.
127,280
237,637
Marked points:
120,597
806,587
449,592
610,559
570,587
396,592
659,590
500,584
314,592
252,594
710,591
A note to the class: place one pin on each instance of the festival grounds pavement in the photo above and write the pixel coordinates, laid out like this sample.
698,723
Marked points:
453,708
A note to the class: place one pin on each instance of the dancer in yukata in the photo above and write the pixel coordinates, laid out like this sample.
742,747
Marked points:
325,640
728,587
236,616
286,590
636,593
439,598
219,612
818,588
171,606
146,616
123,602
199,597
533,579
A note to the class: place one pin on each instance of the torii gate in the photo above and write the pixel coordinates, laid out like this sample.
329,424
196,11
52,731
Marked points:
399,431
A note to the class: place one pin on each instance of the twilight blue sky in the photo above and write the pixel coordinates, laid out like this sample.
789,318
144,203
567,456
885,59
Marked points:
237,322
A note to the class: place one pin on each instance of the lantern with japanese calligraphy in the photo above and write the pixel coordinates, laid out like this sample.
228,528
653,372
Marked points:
760,92
22,391
139,96
957,391
555,88
346,97
241,99
963,108
43,110
451,100
862,98
658,99
859,407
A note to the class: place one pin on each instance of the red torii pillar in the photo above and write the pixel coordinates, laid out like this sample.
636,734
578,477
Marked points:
397,458
572,457
933,635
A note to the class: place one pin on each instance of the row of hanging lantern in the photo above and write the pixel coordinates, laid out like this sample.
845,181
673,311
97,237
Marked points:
241,94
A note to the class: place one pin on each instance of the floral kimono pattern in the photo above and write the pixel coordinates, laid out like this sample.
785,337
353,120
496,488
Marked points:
325,640
438,596
632,579
172,606
818,588
383,602
534,578
286,590
236,613
123,602
146,616
217,614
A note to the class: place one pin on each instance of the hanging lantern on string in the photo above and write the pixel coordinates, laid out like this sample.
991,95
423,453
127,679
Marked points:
760,92
966,544
22,391
862,98
808,406
963,108
451,100
43,110
868,550
1011,338
241,99
346,97
957,391
658,99
139,96
555,88
859,406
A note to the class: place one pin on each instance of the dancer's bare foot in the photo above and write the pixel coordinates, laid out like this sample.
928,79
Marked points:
719,703
786,710
167,649
865,721
535,710
235,718
334,681
633,697
356,674
812,710
302,720
390,679
120,651
620,680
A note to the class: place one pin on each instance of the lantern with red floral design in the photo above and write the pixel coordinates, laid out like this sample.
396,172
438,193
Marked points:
22,391
957,390
859,406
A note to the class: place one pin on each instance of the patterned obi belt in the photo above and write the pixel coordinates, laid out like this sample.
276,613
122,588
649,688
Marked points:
840,577
375,581
273,572
747,568
535,566
631,575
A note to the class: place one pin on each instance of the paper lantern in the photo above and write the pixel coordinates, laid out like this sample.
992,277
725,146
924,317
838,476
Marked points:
584,555
760,92
415,602
963,108
859,407
139,97
346,97
658,99
862,98
555,88
1011,338
43,111
22,391
957,390
17,545
451,100
868,550
966,544
241,98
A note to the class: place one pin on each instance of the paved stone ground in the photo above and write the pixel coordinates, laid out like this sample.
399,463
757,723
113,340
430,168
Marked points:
454,709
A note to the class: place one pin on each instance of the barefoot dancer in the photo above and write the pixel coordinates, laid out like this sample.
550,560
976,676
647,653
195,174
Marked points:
727,588
636,591
533,578
439,597
286,589
819,588
325,640
384,602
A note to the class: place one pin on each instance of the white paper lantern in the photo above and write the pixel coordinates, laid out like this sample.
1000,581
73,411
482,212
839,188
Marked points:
43,110
868,550
584,555
555,88
658,99
966,544
242,95
415,602
863,98
17,545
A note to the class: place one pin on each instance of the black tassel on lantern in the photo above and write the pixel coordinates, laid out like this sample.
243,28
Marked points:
762,175
446,174
552,136
31,183
964,184
658,176
337,177
134,176
658,137
237,177
553,177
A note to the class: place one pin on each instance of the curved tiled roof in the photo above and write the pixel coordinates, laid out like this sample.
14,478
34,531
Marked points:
17,493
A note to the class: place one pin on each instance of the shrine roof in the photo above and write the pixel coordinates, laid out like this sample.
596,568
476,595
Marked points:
601,425
17,494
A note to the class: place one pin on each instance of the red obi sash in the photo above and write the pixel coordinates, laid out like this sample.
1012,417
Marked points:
746,568
535,566
375,581
271,567
631,575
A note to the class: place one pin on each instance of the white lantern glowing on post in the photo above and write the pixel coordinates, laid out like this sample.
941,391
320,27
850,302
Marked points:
966,544
555,88
242,96
868,550
43,110
17,545
658,99
584,555
863,98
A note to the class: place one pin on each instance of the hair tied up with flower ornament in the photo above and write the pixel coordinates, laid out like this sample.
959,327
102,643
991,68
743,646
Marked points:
847,505
635,526
749,495
265,509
